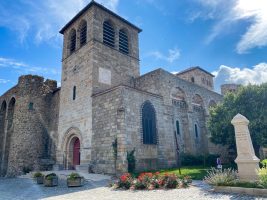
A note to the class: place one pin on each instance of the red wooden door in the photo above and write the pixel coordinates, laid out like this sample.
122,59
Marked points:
76,152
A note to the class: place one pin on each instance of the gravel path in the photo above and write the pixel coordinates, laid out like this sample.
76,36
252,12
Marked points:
27,189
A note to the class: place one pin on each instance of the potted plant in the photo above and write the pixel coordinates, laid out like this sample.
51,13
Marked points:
51,180
75,180
39,177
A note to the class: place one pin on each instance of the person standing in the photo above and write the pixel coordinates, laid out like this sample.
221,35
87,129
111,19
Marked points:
219,162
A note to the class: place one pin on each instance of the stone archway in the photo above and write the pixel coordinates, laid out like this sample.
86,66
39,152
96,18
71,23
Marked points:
9,128
72,146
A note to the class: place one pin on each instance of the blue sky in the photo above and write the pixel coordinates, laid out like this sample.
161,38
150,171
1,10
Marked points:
227,38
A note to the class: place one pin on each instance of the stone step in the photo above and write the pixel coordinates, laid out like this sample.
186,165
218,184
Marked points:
82,168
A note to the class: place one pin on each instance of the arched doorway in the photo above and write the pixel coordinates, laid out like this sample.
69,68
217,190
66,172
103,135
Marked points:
8,135
76,152
72,152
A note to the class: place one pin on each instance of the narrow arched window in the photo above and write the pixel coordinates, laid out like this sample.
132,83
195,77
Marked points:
108,34
83,33
74,93
72,41
31,106
123,42
177,127
149,124
192,79
196,131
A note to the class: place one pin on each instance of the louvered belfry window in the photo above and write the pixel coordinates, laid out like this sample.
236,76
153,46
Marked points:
108,34
123,42
83,33
149,124
72,41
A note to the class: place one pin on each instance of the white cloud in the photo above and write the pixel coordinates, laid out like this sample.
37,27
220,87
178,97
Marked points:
4,81
228,13
254,75
22,68
173,55
43,19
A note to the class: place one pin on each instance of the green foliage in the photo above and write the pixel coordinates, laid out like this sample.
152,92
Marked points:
195,172
37,174
250,101
115,148
26,170
50,176
244,184
74,176
263,177
192,160
131,161
263,163
220,177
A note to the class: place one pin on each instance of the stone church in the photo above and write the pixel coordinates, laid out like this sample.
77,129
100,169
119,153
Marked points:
104,98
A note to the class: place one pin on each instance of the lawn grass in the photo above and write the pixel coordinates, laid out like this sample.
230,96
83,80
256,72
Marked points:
196,172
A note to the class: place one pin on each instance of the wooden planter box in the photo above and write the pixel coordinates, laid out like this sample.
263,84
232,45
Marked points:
40,180
51,182
77,182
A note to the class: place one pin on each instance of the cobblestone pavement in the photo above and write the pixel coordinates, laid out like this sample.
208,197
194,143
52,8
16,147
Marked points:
27,189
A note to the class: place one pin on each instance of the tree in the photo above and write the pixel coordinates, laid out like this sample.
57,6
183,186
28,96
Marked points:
250,101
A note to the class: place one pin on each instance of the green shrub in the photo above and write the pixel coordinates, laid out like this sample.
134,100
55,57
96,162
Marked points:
73,176
220,177
50,176
26,170
244,184
37,174
263,163
263,177
210,159
192,160
131,161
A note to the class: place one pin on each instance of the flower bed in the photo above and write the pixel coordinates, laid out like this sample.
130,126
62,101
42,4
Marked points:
151,181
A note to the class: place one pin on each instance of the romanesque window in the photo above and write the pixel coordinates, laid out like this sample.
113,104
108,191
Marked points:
177,127
123,42
212,103
197,103
72,41
83,33
149,124
196,131
74,93
108,34
178,98
192,79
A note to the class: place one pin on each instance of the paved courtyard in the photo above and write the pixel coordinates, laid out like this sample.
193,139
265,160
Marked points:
27,189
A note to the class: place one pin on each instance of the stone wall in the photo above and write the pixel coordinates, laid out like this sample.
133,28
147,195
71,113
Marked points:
30,120
188,109
117,114
198,76
91,68
225,88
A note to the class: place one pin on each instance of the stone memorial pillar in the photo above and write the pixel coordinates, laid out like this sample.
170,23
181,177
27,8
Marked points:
247,162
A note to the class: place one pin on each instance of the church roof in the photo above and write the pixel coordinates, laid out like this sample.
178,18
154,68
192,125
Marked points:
194,68
93,3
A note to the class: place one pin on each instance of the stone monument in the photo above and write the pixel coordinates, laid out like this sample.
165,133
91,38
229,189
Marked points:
247,162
